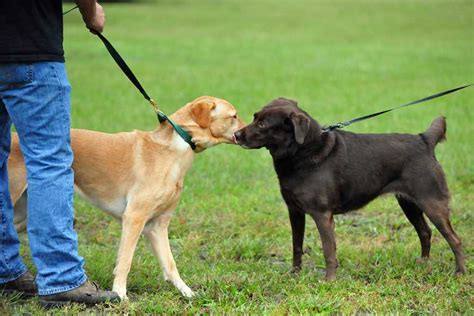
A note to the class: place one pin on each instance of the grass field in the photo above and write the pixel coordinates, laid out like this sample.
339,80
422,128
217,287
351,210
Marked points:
230,234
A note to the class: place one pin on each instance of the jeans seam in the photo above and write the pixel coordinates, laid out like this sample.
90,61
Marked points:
75,285
2,207
4,227
15,276
61,84
4,131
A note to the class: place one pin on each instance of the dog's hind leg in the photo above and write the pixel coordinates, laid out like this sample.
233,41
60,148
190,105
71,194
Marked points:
20,212
438,213
157,232
415,216
325,223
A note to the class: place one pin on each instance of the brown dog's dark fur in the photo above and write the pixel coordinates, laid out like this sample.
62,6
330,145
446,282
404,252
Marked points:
327,173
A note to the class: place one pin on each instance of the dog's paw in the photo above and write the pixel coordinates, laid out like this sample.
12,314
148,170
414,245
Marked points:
422,260
460,271
295,270
186,291
121,293
124,298
330,276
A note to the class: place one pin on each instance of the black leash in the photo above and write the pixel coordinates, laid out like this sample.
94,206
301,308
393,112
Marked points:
366,117
162,117
72,9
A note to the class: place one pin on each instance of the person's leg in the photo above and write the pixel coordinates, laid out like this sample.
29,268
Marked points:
11,265
40,111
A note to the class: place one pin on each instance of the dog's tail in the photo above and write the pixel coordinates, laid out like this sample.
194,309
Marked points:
436,132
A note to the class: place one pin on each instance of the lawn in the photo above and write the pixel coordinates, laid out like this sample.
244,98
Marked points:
230,234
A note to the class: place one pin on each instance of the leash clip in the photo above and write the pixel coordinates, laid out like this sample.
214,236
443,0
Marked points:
338,125
155,106
334,126
161,116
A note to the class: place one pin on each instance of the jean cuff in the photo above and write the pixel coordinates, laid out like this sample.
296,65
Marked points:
18,273
72,286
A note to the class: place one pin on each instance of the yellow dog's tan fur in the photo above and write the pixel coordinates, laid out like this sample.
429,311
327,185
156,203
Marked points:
137,177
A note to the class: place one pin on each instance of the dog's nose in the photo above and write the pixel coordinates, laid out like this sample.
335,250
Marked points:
237,136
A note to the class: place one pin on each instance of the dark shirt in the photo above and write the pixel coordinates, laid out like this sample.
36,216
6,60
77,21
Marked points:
31,30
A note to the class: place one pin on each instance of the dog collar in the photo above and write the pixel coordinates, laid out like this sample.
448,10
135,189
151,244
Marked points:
162,117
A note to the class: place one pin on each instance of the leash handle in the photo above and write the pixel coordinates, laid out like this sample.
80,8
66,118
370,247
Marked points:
366,117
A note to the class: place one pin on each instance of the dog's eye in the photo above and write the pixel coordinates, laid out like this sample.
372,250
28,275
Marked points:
234,116
260,124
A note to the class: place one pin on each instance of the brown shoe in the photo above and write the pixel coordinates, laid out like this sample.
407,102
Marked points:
88,294
25,286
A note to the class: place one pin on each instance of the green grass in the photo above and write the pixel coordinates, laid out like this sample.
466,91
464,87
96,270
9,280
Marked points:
230,234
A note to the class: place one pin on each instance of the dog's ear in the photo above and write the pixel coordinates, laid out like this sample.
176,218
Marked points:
201,112
300,126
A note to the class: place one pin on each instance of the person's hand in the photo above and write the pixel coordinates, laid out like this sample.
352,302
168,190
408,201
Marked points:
95,18
97,21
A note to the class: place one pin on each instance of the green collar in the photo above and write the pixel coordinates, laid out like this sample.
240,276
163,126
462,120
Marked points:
181,132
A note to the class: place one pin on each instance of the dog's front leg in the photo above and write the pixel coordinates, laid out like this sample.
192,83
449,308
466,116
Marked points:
297,220
133,221
157,233
325,223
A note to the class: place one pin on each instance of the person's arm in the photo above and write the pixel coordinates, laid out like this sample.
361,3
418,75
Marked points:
92,14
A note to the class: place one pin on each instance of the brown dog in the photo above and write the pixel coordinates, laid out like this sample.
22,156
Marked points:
327,173
137,177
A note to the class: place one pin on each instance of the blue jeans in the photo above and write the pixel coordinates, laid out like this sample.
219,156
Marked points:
35,97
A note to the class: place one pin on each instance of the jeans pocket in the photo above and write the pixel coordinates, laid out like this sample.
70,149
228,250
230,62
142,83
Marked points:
14,75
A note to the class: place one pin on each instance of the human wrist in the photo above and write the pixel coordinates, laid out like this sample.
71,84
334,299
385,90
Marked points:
92,14
88,9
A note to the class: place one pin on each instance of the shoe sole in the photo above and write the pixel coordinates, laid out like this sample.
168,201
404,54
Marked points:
57,304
